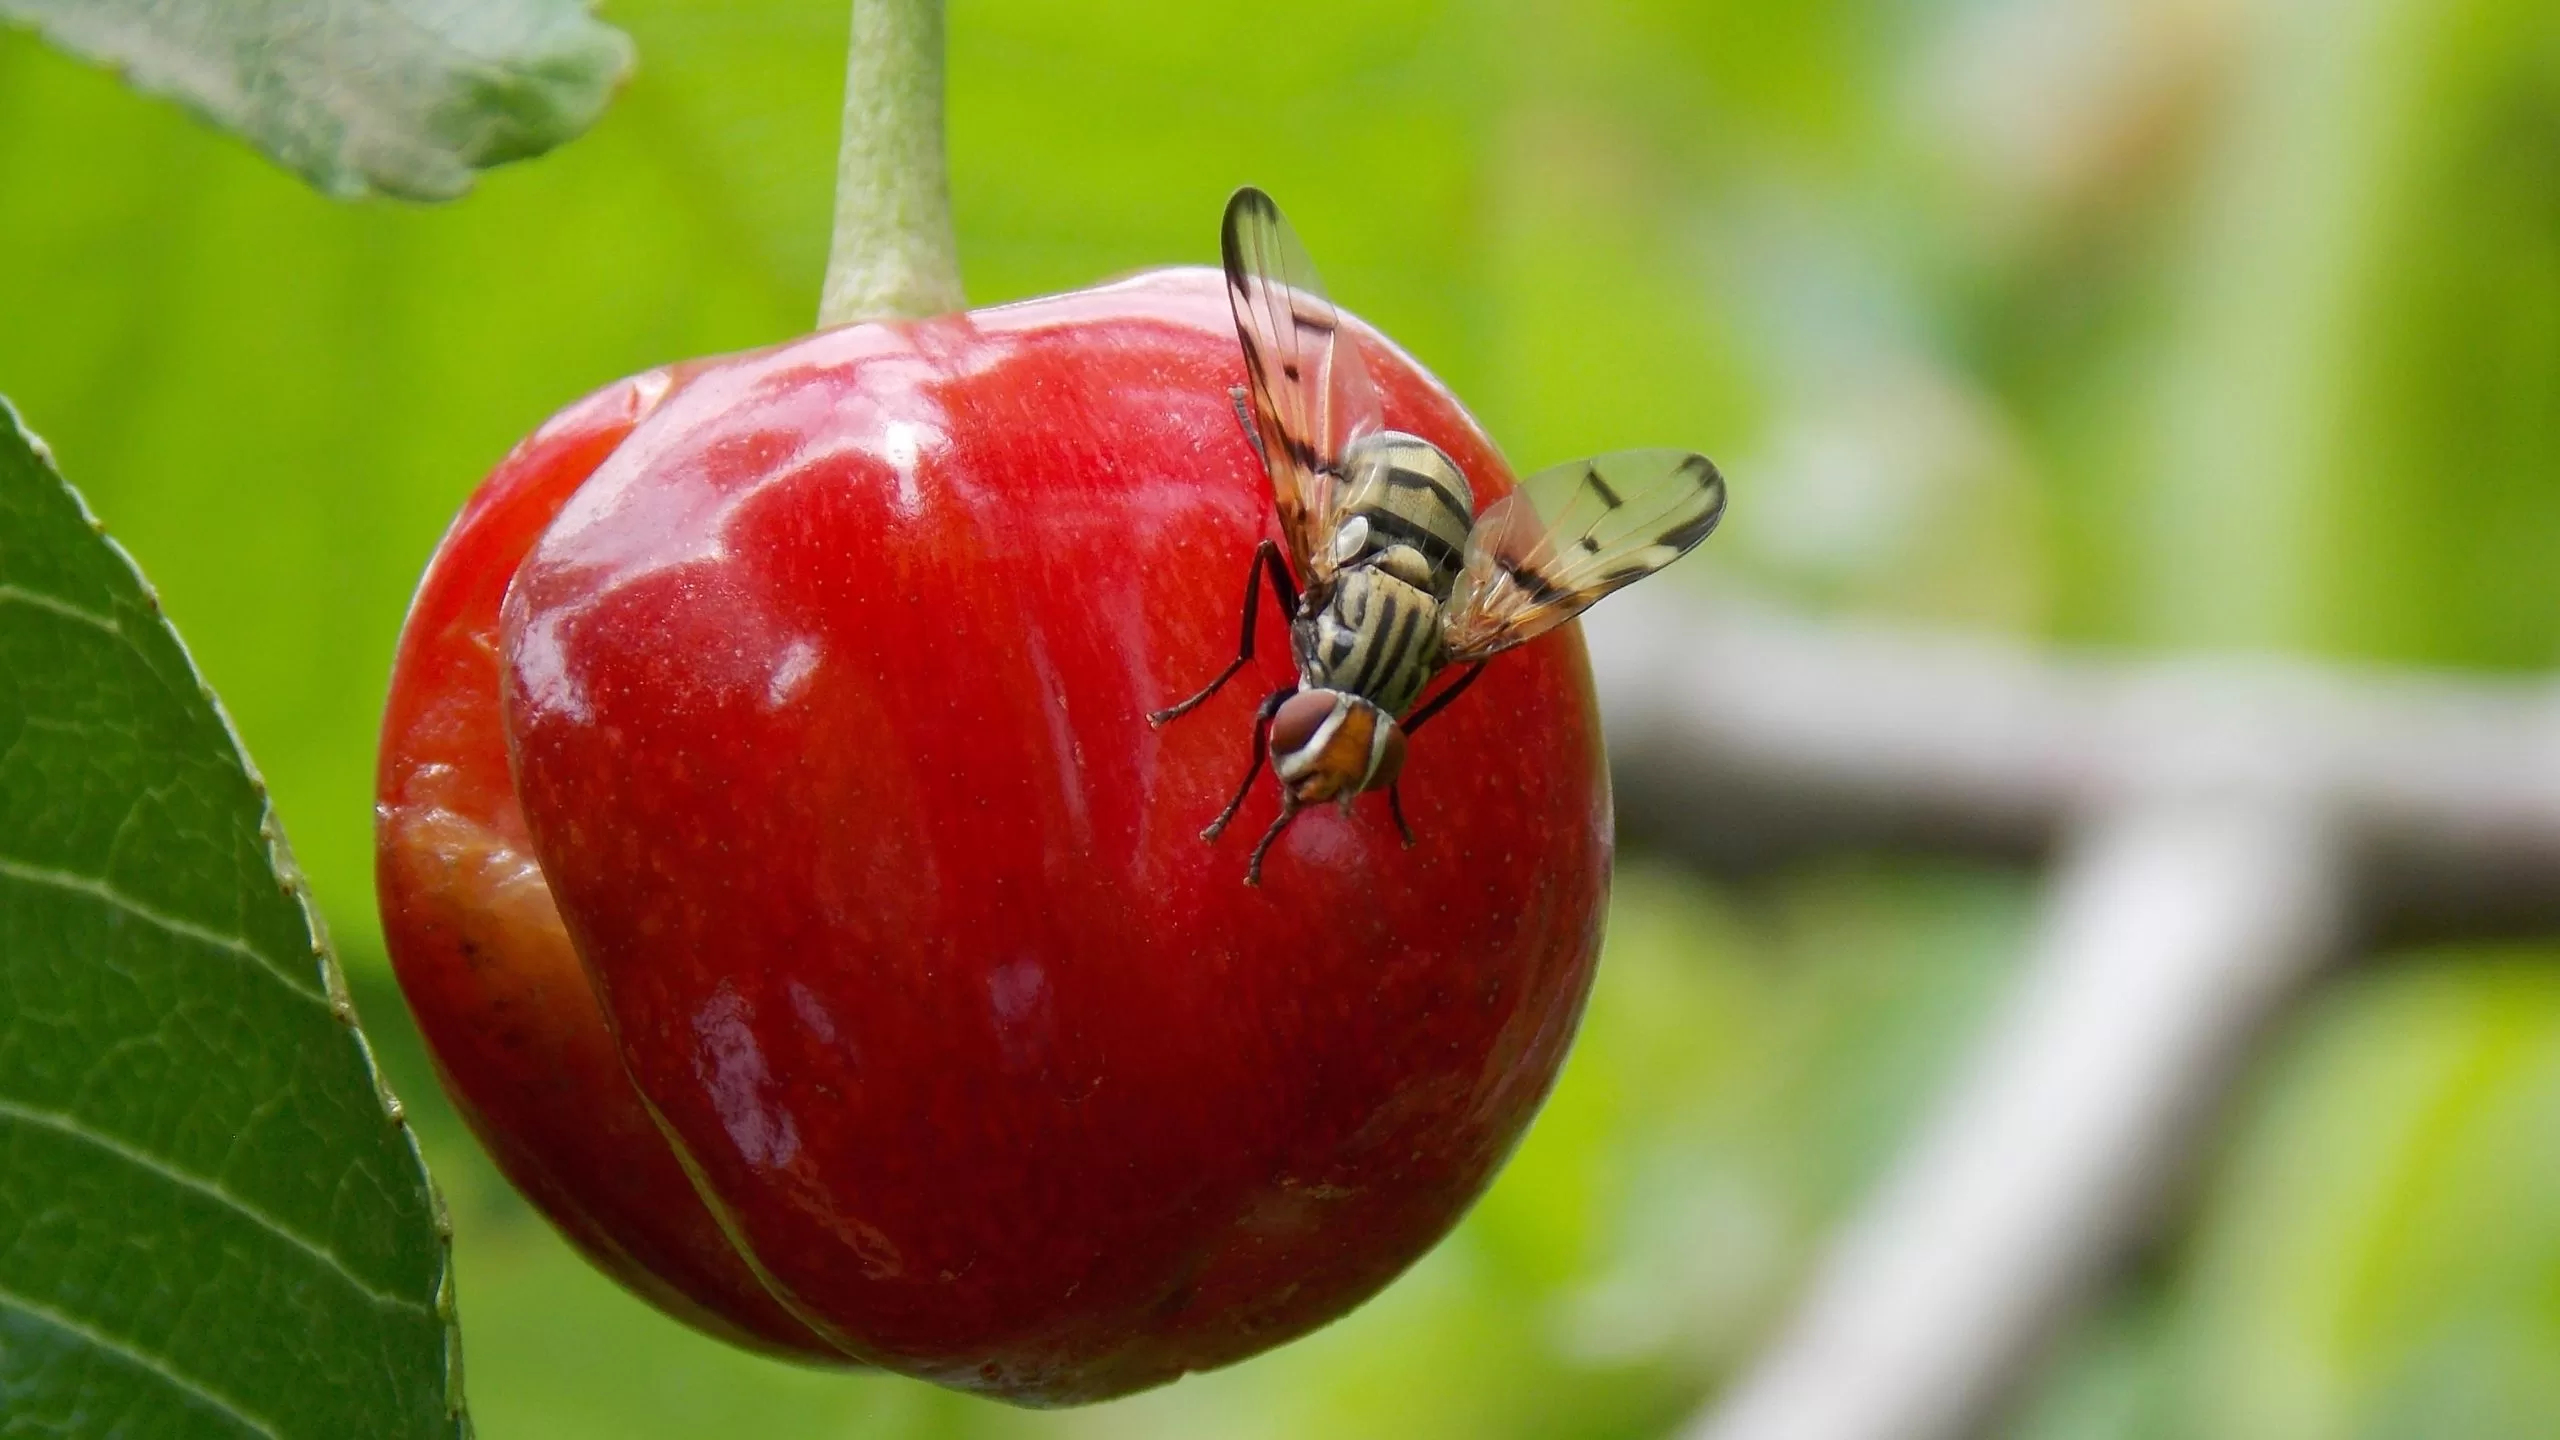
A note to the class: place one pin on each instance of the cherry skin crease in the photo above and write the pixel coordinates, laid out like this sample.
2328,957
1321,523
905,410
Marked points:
945,1044
506,1010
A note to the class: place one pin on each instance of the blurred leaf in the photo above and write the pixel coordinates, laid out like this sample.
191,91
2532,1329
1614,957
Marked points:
2320,416
216,1222
2109,1380
2382,1256
2446,447
407,97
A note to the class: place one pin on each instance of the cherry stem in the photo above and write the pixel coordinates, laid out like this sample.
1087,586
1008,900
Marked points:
894,256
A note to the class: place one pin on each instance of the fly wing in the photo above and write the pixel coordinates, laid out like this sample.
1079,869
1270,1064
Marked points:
1618,518
1312,396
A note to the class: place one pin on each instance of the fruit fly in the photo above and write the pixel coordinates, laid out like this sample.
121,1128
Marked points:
1391,575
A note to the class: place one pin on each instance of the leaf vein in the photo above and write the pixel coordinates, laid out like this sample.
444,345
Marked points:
19,594
184,929
70,1125
144,1360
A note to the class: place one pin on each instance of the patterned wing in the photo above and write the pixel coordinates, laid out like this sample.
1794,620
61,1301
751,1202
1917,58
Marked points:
1312,397
1623,516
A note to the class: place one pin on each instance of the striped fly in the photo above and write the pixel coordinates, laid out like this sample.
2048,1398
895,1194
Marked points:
1391,575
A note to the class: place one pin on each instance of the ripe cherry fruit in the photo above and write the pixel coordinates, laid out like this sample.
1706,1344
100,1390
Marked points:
840,963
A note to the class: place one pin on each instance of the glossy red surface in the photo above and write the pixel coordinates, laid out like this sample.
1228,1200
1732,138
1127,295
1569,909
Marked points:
507,1014
826,693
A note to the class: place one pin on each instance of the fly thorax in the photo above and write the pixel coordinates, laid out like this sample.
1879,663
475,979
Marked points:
1403,494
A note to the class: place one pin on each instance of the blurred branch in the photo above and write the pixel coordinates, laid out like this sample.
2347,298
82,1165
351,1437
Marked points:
2223,826
1742,738
2176,929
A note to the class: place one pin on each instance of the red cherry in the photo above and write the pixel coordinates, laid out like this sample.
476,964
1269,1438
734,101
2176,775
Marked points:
826,695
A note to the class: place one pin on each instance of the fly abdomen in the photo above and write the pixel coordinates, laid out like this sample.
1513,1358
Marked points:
1377,637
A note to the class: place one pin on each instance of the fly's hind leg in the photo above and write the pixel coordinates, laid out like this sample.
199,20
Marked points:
1266,562
1415,721
1439,702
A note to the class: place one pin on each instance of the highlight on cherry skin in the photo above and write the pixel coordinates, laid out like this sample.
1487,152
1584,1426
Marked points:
797,902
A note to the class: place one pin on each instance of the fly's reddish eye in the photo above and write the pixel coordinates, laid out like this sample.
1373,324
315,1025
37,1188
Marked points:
1300,717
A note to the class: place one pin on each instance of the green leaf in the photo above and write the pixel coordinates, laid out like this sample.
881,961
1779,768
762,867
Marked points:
2381,1258
213,1220
405,97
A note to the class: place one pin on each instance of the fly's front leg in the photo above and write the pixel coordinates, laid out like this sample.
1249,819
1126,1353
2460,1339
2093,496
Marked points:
1266,562
1288,812
1261,743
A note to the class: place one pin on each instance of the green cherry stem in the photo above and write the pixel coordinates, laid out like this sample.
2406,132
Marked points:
893,256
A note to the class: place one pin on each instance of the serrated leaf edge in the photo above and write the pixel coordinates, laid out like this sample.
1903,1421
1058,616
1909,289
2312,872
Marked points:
333,979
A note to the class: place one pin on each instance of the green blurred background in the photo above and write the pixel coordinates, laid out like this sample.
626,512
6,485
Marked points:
2146,323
